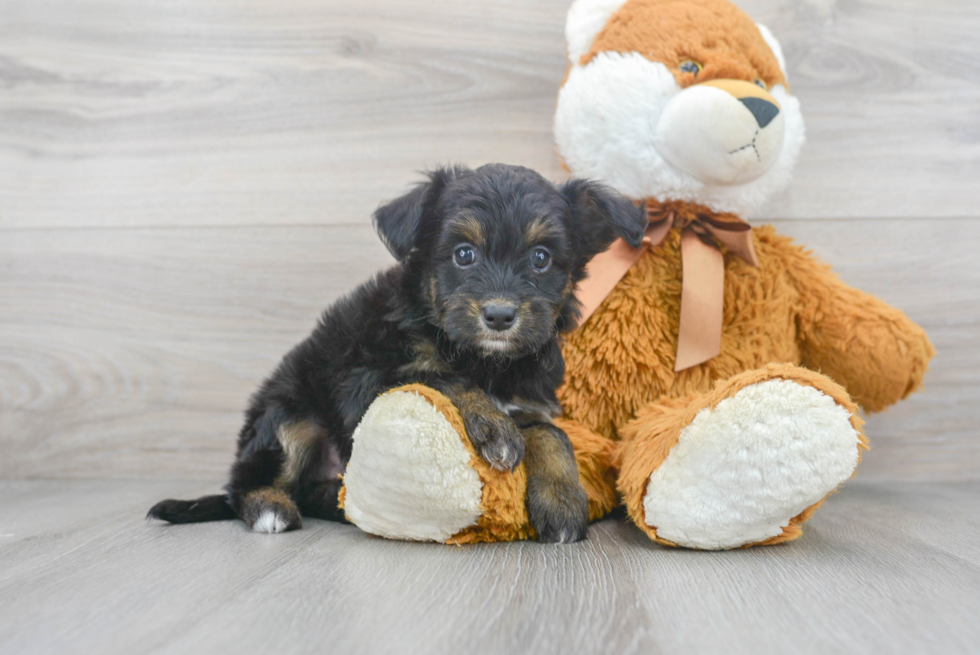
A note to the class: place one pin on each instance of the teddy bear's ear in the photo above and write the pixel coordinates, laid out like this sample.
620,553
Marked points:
399,222
599,215
585,20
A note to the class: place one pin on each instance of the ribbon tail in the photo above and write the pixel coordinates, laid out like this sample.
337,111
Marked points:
657,231
702,302
603,273
738,242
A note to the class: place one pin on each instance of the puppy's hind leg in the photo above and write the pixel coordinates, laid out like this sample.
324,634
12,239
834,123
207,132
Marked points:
270,510
265,471
317,487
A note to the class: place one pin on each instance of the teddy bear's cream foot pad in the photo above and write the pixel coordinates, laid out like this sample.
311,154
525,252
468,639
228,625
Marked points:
409,475
742,470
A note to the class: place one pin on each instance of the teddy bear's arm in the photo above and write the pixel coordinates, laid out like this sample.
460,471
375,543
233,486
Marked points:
873,349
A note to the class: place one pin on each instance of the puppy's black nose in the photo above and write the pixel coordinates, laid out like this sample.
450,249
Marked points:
499,315
762,110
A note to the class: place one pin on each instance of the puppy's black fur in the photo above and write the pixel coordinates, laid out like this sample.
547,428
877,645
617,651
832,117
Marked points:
488,260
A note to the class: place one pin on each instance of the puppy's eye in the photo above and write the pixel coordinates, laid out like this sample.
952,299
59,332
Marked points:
690,66
464,256
761,84
540,259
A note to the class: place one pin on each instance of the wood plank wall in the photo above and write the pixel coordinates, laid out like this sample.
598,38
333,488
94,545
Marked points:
183,186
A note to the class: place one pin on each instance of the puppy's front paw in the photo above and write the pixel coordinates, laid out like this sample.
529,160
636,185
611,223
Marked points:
497,440
559,512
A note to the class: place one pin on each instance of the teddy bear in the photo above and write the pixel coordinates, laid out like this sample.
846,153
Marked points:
714,384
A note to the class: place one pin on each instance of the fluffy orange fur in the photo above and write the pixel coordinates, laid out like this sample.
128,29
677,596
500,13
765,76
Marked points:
503,513
789,318
789,309
714,33
625,406
649,438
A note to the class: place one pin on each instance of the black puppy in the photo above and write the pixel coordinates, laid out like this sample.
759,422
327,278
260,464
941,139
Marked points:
488,261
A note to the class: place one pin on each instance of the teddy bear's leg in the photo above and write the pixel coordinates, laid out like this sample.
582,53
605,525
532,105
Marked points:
413,474
744,464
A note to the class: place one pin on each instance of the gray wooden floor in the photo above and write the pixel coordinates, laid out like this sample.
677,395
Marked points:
885,568
184,186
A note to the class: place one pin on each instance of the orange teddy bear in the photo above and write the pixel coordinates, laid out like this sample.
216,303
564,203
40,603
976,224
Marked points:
713,387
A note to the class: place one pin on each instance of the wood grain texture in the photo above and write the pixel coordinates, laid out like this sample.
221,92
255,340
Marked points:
886,568
928,269
132,112
890,92
131,352
183,187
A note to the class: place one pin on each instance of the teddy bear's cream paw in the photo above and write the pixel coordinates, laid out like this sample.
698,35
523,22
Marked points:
409,475
742,470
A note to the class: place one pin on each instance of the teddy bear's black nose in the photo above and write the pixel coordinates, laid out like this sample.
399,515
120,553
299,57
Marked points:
499,315
763,110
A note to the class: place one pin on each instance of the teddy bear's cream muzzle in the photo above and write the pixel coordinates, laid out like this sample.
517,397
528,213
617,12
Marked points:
722,131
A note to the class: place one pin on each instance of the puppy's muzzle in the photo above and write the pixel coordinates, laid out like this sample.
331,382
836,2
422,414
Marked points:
499,316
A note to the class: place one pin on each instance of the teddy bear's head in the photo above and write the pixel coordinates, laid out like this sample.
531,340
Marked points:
677,100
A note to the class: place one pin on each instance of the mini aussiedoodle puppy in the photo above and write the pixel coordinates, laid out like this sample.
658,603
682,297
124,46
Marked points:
488,260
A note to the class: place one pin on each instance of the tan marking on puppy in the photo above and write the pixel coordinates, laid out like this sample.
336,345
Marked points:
468,228
270,510
426,359
475,401
566,293
433,289
547,456
297,441
492,433
568,289
525,314
525,411
268,496
432,297
556,501
540,229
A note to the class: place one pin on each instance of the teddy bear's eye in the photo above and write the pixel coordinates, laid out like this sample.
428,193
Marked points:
690,66
761,84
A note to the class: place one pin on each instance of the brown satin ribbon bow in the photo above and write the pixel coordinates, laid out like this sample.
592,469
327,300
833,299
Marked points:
703,287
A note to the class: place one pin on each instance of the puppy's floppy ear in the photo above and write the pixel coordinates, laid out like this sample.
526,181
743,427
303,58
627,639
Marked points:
400,221
599,215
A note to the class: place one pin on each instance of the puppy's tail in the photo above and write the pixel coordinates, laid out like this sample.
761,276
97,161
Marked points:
205,508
